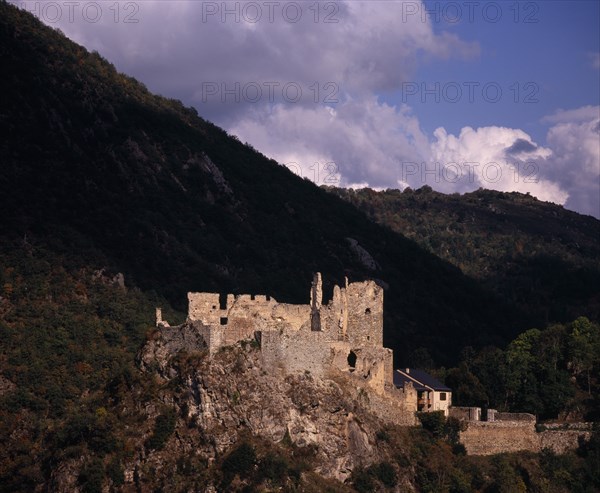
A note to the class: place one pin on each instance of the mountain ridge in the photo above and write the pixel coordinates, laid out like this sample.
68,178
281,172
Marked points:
536,255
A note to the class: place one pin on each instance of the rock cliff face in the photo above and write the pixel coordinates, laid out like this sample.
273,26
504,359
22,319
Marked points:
233,392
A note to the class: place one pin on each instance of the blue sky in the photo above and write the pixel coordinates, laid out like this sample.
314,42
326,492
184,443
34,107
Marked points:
551,46
334,89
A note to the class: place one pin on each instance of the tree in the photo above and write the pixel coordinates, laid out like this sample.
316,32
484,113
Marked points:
584,348
466,387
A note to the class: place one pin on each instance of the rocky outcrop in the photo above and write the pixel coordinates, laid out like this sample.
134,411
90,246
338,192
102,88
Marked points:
365,258
233,392
166,342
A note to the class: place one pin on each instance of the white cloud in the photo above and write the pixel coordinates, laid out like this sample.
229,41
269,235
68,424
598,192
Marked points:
364,139
575,162
583,114
179,47
498,158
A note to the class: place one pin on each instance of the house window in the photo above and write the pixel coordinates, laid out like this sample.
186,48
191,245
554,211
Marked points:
223,320
442,396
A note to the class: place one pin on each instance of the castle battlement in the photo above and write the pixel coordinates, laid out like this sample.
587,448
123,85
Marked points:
345,335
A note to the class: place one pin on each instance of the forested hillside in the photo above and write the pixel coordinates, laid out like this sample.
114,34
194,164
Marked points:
96,168
115,201
536,255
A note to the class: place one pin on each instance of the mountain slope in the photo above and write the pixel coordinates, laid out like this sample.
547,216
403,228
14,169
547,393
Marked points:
536,255
95,166
98,178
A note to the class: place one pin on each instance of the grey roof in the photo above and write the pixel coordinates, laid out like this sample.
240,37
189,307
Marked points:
421,377
400,380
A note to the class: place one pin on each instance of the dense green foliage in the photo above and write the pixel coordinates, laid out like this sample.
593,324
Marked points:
68,339
261,465
550,372
437,465
536,255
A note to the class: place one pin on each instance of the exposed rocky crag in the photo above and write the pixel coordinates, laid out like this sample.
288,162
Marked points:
233,392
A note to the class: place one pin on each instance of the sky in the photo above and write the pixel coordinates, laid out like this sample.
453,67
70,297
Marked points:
458,95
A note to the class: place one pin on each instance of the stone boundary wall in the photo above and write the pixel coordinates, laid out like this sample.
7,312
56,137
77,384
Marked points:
563,440
465,413
566,426
496,437
515,417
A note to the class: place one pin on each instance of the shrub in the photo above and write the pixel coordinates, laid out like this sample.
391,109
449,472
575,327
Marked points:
274,468
115,472
386,473
91,477
163,429
434,422
240,461
362,481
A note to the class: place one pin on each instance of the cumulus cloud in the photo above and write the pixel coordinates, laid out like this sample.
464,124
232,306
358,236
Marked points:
182,48
364,140
498,158
575,161
583,114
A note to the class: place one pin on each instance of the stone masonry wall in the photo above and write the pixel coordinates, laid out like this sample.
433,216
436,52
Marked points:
488,438
298,351
465,413
562,437
365,314
515,417
346,335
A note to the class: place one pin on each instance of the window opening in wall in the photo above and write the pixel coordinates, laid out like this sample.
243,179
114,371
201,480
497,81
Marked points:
315,321
442,396
223,320
223,301
352,360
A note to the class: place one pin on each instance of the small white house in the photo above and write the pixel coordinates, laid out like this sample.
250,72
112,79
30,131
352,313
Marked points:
432,395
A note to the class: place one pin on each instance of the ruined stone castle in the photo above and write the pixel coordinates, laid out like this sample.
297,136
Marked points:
343,338
341,341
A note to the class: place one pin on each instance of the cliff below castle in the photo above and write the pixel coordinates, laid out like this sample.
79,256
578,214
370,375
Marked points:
229,395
